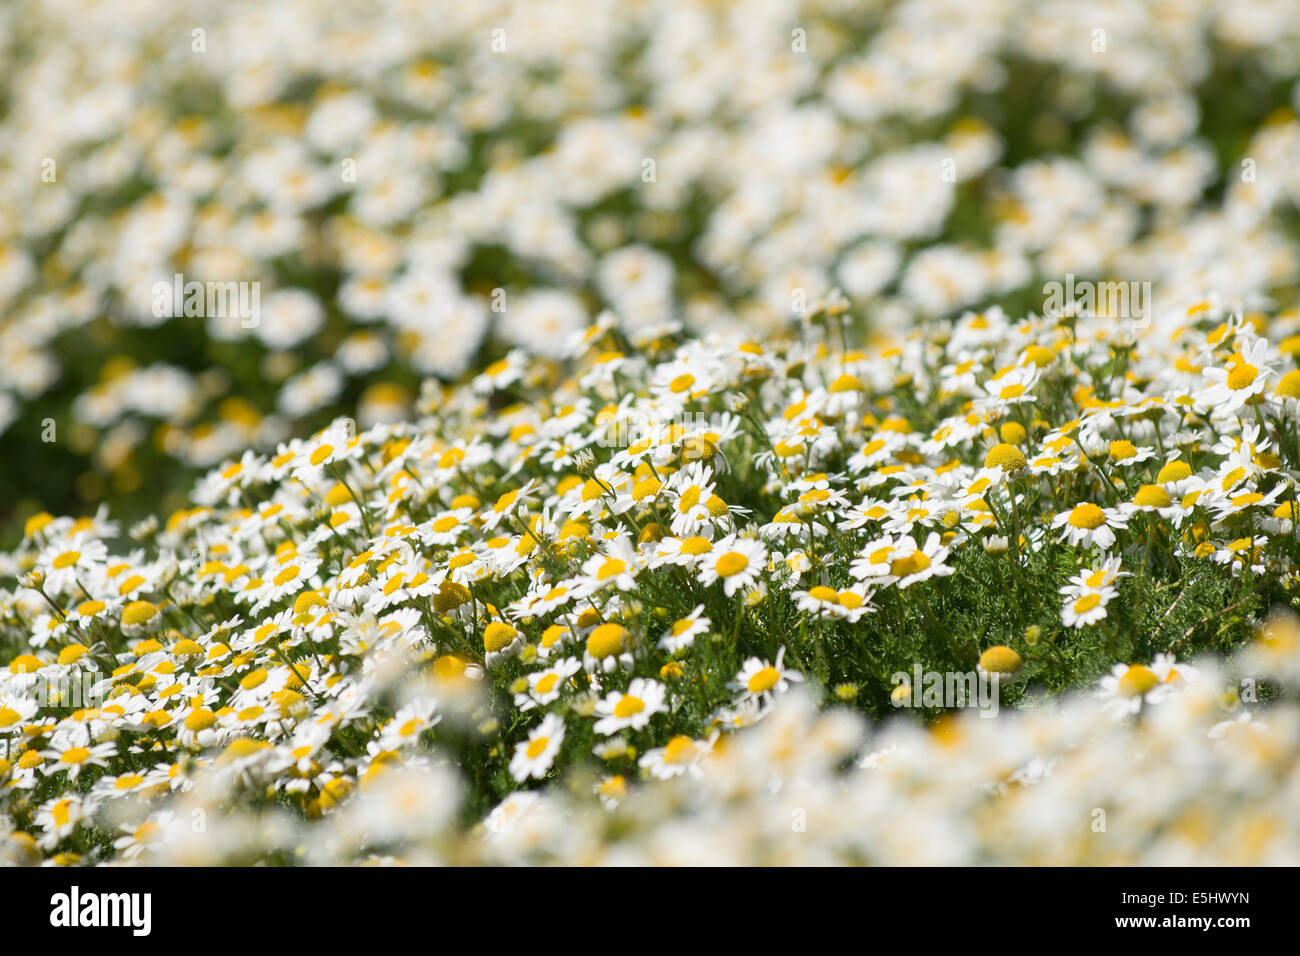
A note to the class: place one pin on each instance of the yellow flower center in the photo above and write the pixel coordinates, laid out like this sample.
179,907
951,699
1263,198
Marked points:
76,755
646,488
1087,516
200,719
25,664
1005,456
1086,603
1289,387
628,706
1122,450
1242,375
73,653
681,748
764,680
138,612
497,635
1137,680
696,545
1174,471
1000,659
606,640
30,759
450,595
1040,355
612,568
731,564
1152,496
914,563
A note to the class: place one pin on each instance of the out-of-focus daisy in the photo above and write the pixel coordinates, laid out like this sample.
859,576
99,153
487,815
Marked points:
533,757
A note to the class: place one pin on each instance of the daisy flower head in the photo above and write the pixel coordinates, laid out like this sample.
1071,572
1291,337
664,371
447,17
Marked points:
735,561
1011,387
682,754
874,559
325,450
1090,524
533,757
543,598
500,640
631,709
1124,453
683,552
447,527
545,687
554,639
608,646
75,752
64,563
59,818
142,837
1007,459
93,609
15,711
911,564
1153,499
693,487
682,633
616,566
1085,607
760,679
823,601
1170,672
1000,662
1107,572
140,618
1243,377
508,505
1128,686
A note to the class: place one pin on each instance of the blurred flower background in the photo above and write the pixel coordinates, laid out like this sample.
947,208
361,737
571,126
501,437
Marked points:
418,188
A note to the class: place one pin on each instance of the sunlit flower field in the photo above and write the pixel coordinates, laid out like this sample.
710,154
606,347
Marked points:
659,432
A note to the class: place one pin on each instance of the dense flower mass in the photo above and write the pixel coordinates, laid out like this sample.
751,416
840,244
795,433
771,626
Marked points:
416,188
609,566
798,431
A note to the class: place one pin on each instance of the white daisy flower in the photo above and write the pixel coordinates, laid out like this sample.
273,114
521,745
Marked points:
631,710
533,757
759,679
